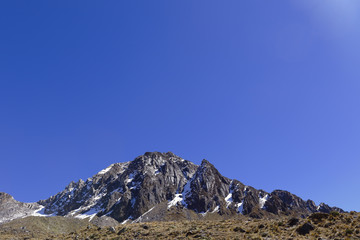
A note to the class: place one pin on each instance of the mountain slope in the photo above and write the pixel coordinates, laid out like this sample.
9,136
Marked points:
11,209
158,186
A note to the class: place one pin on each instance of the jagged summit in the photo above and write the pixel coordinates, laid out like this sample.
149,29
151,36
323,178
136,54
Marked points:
159,154
163,186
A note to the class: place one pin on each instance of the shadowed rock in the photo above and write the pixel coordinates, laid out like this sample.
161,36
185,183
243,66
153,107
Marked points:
158,186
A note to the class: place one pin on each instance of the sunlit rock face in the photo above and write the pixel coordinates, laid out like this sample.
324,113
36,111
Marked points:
160,186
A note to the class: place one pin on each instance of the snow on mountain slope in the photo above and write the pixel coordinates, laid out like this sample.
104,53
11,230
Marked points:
159,183
11,209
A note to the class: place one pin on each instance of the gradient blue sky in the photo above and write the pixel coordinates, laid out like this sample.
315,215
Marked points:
268,91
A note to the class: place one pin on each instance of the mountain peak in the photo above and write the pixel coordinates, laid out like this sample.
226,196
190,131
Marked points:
160,186
159,154
205,162
155,159
5,197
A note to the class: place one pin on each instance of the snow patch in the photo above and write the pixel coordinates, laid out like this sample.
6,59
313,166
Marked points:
204,213
130,178
139,219
129,219
240,207
177,199
122,166
105,170
228,199
216,209
262,200
39,213
185,192
90,209
159,169
120,190
89,214
22,213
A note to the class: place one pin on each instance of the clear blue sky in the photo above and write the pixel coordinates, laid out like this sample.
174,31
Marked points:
268,91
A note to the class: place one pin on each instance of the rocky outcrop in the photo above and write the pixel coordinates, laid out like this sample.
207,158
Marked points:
11,209
206,191
124,190
324,208
162,183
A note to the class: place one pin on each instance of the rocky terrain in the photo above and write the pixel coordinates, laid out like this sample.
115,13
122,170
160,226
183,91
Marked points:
161,186
317,226
12,209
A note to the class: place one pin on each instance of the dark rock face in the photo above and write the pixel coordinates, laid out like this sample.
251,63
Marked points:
125,190
327,209
311,206
157,178
161,182
208,189
283,201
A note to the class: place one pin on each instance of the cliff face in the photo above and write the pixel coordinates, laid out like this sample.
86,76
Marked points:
154,185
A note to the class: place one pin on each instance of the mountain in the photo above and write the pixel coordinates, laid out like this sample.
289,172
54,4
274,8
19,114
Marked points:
161,186
12,209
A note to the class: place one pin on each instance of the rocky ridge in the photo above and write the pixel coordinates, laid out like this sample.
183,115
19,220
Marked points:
12,209
157,185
